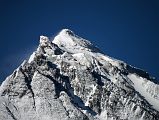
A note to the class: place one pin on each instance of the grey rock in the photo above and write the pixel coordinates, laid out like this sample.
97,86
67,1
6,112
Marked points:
71,79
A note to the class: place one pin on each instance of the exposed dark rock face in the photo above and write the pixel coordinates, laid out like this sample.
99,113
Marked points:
70,79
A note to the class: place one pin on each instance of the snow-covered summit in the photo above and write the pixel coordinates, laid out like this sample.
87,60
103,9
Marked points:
69,41
67,31
70,79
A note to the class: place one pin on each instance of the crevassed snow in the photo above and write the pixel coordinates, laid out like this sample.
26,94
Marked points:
141,88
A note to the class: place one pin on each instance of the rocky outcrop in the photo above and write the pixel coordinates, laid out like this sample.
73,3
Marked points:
71,79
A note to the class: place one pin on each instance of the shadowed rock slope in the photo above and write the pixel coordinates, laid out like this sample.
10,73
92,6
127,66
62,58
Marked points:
71,79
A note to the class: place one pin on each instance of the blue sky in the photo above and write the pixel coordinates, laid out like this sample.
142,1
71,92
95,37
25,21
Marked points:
124,29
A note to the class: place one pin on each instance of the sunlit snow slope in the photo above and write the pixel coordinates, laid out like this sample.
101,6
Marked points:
68,78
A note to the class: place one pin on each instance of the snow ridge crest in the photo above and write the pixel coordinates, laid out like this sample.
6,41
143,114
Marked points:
71,79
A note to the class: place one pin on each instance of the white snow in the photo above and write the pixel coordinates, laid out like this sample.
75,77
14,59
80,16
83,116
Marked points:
72,43
63,39
80,54
31,57
103,115
35,74
104,58
81,48
83,59
43,39
141,88
91,93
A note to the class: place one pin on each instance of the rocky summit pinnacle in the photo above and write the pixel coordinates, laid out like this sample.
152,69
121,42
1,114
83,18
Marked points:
69,78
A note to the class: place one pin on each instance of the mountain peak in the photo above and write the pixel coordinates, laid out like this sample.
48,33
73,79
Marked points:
69,41
67,32
70,79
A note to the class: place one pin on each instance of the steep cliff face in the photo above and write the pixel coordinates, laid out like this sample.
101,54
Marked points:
71,79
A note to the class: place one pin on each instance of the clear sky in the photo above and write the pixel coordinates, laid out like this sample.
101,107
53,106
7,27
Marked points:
124,29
